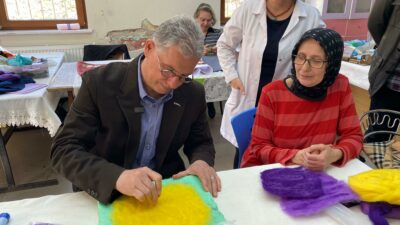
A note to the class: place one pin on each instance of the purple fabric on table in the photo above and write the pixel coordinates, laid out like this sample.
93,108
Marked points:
377,211
333,191
8,76
10,82
292,183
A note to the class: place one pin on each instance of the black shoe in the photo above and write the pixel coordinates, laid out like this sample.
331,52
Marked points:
211,110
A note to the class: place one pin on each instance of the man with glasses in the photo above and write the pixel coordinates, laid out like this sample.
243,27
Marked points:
125,127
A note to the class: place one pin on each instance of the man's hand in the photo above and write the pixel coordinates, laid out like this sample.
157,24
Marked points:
319,157
237,84
142,183
207,175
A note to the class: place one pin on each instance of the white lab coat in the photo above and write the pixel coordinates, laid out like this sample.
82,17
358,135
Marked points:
247,30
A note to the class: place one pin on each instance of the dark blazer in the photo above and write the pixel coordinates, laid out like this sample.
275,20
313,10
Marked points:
384,26
101,133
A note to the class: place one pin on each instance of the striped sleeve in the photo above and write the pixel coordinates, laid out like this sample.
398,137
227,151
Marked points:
261,149
350,138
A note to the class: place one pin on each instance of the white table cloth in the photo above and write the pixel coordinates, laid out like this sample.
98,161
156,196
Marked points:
357,74
242,201
35,108
68,78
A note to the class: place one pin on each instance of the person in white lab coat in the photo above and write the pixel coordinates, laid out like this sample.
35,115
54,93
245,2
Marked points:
264,32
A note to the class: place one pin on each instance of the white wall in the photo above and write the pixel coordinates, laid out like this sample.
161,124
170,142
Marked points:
106,15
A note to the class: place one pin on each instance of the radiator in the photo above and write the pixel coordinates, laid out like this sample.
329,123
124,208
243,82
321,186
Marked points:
73,53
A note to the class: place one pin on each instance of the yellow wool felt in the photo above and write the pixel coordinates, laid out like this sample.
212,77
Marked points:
187,209
377,185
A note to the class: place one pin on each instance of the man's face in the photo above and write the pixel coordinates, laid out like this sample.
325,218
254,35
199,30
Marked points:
157,80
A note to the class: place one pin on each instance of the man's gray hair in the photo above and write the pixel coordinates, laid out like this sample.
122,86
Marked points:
181,31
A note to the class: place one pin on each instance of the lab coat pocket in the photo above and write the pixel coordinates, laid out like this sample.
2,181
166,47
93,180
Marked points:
234,99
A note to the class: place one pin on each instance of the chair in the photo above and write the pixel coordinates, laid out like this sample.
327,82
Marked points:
105,52
381,129
383,123
93,53
242,125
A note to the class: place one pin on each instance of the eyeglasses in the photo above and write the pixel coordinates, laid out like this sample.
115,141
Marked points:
314,63
168,73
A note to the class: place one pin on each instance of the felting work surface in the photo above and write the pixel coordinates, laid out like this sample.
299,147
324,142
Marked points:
182,201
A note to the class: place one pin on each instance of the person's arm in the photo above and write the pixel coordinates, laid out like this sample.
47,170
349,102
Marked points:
350,138
379,18
70,154
199,143
211,40
315,17
199,146
228,43
261,145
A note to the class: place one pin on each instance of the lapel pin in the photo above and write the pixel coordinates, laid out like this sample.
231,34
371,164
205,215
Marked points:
177,104
139,109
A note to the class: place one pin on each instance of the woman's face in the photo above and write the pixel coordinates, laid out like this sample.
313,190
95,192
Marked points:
205,20
310,63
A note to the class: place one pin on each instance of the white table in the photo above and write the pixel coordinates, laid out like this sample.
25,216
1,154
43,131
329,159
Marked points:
242,201
358,78
34,109
68,80
357,74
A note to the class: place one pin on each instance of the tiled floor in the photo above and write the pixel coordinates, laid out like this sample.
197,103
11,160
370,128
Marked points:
29,154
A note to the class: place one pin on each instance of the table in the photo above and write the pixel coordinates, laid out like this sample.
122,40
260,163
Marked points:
357,74
358,78
68,80
35,109
242,201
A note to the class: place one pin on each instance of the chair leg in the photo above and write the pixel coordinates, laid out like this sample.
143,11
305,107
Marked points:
221,108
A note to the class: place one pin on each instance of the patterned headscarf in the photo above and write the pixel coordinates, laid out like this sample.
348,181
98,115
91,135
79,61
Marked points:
332,44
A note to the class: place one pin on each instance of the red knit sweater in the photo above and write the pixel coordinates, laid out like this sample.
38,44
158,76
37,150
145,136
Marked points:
285,124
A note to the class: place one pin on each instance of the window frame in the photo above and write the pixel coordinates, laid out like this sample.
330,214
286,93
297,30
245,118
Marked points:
223,19
349,13
6,24
339,15
360,15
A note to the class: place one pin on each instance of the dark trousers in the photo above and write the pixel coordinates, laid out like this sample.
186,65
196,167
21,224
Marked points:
385,98
236,159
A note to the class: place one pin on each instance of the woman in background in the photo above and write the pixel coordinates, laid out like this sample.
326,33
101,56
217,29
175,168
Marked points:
309,118
266,32
205,17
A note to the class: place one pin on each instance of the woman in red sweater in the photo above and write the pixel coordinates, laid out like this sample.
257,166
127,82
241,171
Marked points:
309,118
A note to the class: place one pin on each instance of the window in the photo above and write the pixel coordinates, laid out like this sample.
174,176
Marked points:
336,9
227,9
361,9
345,9
41,14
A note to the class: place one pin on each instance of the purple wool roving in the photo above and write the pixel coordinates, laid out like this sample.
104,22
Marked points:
291,183
377,211
305,192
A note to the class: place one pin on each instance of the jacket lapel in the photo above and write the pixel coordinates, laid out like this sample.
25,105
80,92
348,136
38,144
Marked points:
129,101
172,115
